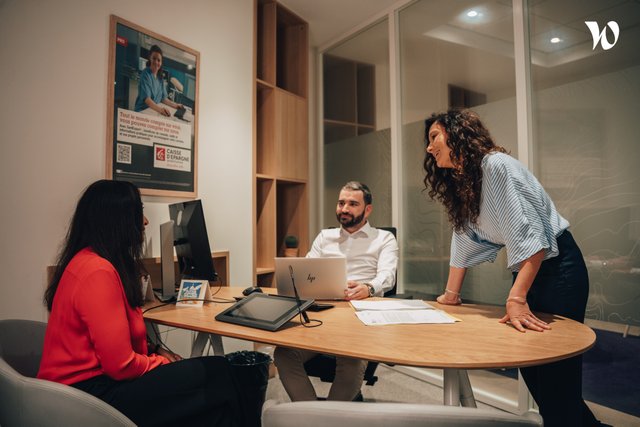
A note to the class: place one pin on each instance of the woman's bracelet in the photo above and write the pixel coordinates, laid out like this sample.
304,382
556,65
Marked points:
451,292
519,300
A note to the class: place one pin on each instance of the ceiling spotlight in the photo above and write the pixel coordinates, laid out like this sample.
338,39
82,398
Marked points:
555,40
472,14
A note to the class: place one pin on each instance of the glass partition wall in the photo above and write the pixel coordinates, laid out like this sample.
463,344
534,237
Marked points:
579,134
357,144
460,56
586,145
452,54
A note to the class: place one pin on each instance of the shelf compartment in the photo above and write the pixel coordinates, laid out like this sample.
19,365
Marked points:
266,222
292,47
291,133
266,43
265,135
293,214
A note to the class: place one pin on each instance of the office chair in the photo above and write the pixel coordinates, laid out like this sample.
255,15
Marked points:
323,366
382,414
28,401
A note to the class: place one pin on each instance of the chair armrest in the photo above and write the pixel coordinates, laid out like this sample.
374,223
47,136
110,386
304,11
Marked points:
357,414
50,403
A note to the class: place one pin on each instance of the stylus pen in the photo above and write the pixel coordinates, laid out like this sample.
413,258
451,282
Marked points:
295,292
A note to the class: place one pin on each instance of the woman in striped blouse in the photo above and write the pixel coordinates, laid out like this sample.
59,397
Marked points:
493,201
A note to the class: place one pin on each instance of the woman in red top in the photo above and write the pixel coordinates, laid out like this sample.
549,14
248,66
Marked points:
96,336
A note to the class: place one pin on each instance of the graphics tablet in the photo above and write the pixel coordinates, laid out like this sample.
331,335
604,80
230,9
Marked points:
263,311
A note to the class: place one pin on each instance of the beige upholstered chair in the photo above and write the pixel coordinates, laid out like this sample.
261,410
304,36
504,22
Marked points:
27,401
373,414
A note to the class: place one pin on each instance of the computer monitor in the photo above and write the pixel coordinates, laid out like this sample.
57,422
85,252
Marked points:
168,290
192,241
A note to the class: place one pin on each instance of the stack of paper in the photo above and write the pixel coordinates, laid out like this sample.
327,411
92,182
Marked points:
393,312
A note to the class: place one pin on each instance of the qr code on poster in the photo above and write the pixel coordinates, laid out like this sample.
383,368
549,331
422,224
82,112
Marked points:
124,154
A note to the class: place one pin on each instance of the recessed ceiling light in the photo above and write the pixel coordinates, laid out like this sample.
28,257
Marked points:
472,14
555,40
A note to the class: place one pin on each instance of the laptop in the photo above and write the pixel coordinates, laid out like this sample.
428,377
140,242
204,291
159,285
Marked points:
315,278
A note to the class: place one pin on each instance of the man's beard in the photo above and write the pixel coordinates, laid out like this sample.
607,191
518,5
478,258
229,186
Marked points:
351,221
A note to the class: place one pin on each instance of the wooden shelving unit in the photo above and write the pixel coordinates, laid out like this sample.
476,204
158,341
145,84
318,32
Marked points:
349,98
281,166
153,267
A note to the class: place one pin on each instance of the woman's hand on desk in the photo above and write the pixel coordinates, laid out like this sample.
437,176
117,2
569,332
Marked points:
449,299
171,356
519,315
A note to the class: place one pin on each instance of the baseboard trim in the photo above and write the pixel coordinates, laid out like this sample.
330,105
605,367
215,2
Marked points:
613,327
434,377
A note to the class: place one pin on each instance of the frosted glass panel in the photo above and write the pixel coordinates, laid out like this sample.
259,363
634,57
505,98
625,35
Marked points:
367,159
356,121
586,143
453,54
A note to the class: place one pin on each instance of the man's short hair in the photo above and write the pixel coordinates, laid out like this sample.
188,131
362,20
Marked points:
358,186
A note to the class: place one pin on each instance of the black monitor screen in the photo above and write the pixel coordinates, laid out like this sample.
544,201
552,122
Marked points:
191,241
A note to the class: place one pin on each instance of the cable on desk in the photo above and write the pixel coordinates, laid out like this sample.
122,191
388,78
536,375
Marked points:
307,325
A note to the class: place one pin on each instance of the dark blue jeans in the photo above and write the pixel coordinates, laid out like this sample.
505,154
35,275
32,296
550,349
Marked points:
560,287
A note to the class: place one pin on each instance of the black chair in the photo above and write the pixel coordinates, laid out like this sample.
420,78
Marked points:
323,366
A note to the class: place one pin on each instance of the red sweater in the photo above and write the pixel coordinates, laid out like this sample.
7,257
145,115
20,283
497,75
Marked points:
92,329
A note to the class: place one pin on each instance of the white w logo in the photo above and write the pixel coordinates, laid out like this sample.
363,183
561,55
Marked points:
601,37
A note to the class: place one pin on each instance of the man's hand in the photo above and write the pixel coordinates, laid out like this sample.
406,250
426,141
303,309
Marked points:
356,290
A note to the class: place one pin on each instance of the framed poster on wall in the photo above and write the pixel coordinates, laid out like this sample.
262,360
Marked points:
152,111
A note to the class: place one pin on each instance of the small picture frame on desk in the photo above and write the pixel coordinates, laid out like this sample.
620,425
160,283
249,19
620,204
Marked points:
193,293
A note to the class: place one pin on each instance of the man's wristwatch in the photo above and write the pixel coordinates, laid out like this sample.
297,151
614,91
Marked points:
371,290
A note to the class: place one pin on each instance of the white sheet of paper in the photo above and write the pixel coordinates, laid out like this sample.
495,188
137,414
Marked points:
395,317
390,304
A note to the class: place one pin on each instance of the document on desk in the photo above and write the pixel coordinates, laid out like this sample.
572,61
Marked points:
396,317
391,304
395,312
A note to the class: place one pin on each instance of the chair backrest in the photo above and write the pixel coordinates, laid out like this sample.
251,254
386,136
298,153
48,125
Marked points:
379,414
393,290
27,401
21,343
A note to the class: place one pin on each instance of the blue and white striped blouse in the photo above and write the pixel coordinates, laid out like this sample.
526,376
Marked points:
515,212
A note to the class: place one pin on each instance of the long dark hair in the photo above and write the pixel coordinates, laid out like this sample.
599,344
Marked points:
109,220
459,188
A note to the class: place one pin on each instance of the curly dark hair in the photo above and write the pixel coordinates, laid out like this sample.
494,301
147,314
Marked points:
459,188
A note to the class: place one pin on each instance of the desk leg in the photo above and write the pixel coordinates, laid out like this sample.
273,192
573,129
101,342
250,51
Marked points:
216,344
466,392
457,388
451,387
197,349
201,341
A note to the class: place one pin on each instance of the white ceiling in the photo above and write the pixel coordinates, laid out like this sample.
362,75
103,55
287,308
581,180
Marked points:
330,19
427,21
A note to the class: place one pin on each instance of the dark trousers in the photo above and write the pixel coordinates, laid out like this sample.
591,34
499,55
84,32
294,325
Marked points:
560,287
192,392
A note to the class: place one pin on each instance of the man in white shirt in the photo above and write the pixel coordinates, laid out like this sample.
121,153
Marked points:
372,259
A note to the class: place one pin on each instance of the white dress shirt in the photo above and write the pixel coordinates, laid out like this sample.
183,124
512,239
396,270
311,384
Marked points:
372,254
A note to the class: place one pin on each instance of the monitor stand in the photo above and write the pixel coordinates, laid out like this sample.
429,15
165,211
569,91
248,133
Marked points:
168,293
